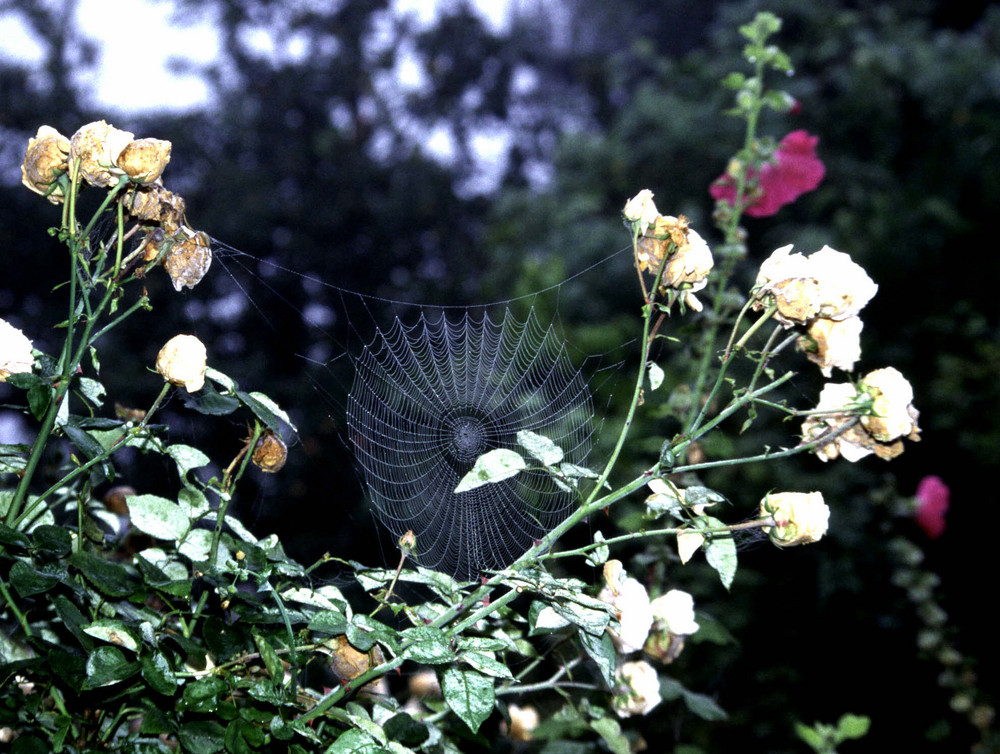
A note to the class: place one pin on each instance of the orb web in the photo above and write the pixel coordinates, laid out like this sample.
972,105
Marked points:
430,398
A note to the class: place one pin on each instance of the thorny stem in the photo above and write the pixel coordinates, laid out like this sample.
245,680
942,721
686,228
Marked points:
673,530
115,446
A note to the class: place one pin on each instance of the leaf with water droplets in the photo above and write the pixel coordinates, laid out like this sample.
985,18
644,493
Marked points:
492,467
540,447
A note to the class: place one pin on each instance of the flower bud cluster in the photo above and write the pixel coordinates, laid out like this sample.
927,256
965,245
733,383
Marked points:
104,156
668,242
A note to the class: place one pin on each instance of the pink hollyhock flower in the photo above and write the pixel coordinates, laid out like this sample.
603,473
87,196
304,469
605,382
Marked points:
793,170
932,503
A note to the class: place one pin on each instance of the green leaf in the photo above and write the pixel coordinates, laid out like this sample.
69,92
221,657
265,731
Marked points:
701,705
329,622
187,458
810,736
720,550
107,665
539,447
602,651
13,457
363,632
704,706
92,390
273,409
355,741
492,467
203,694
270,658
197,545
110,578
599,555
52,540
469,694
13,538
209,401
430,645
853,726
158,674
71,617
158,517
609,729
114,632
28,581
403,728
486,664
202,737
39,397
655,375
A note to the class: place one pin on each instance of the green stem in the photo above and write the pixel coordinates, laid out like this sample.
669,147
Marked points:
12,604
115,446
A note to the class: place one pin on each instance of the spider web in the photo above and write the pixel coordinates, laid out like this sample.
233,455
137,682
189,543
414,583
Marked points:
435,388
430,398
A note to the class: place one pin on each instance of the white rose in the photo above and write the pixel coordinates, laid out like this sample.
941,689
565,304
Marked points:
892,405
638,689
182,361
825,284
675,612
640,209
845,287
800,517
630,602
833,343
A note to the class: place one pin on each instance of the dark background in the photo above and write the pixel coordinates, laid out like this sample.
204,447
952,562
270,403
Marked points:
317,167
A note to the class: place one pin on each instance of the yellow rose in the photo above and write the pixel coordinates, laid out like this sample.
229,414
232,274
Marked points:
182,361
800,517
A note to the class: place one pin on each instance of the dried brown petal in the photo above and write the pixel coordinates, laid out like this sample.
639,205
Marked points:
143,160
154,204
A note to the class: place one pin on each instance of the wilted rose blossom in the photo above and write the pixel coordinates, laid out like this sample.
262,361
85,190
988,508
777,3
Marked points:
893,415
890,418
15,351
673,619
143,160
182,361
833,343
97,146
630,601
638,689
675,612
688,259
933,499
825,284
45,159
270,453
793,170
640,209
189,258
800,517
